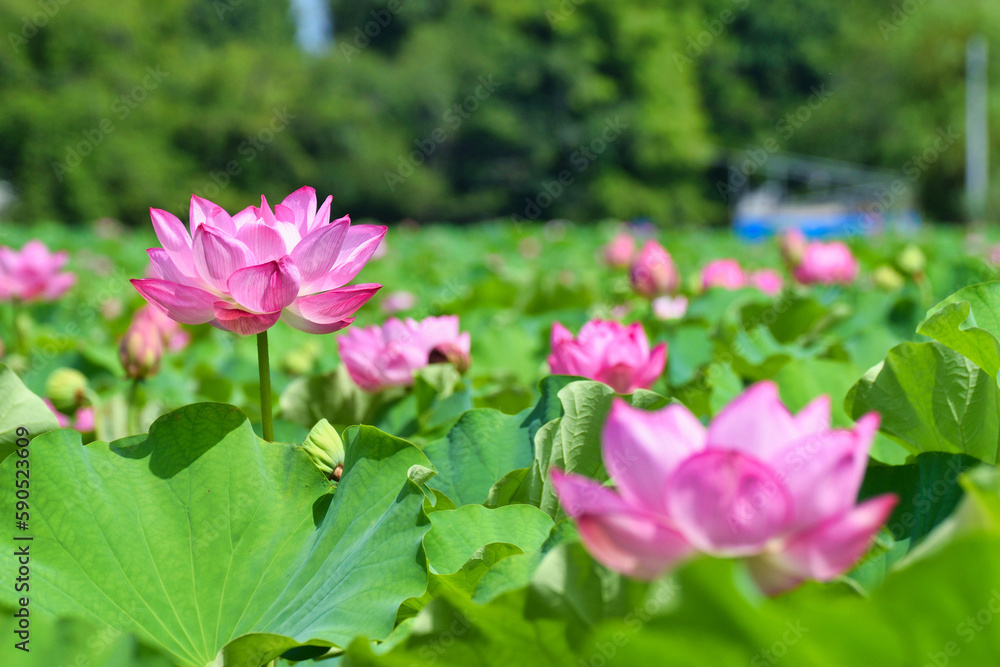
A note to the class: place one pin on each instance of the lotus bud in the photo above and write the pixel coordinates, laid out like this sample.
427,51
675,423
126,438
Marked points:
912,260
792,245
888,278
451,352
141,351
325,449
653,272
67,389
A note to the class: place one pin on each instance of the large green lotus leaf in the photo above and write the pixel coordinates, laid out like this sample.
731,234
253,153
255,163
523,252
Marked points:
219,547
19,408
932,399
968,322
73,642
485,444
456,535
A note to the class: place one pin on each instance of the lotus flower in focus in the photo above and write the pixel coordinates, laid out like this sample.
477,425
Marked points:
243,272
386,356
827,264
759,483
620,250
609,352
724,273
653,272
34,273
767,281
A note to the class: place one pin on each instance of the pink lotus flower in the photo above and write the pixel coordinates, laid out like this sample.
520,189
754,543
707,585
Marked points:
827,264
33,274
243,272
758,483
767,281
83,421
653,271
724,273
397,301
173,337
386,356
670,308
620,250
609,352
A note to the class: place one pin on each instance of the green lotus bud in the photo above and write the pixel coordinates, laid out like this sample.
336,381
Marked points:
912,260
67,389
888,278
326,449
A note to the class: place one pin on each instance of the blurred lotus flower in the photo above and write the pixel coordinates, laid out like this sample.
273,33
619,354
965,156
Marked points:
67,389
398,301
620,250
530,248
670,308
792,245
84,420
609,352
767,281
386,356
827,264
141,350
724,273
173,337
653,272
243,272
61,419
111,308
758,483
33,274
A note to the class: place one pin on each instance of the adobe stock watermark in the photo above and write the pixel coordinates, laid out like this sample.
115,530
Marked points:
697,44
122,107
249,148
581,159
453,118
785,127
563,11
381,18
38,20
901,13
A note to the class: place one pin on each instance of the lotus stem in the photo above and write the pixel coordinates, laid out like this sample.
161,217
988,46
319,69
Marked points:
264,367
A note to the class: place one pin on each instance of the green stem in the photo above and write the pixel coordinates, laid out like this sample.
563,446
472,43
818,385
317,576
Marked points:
264,367
133,407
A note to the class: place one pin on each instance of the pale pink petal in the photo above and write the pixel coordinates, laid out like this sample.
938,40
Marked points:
263,241
165,269
728,503
323,216
203,211
756,422
642,449
237,320
174,238
824,551
183,303
651,371
217,256
359,244
302,203
266,288
316,254
814,417
57,285
329,311
619,536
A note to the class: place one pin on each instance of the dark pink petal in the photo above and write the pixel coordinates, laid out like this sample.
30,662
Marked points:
237,320
266,288
183,303
560,334
572,358
218,256
316,254
826,550
642,449
728,503
622,538
322,216
359,244
329,311
756,422
264,242
264,212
